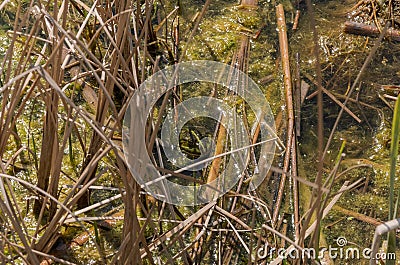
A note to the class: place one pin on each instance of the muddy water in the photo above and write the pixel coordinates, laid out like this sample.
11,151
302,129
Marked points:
367,143
342,56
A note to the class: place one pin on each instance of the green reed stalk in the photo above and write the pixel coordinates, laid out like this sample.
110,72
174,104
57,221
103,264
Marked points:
394,151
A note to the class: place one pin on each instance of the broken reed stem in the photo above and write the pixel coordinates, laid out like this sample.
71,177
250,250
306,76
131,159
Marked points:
240,59
219,149
297,101
369,30
296,20
284,50
329,94
359,216
353,87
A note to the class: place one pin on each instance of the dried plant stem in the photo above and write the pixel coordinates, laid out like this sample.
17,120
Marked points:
369,30
284,50
358,216
353,87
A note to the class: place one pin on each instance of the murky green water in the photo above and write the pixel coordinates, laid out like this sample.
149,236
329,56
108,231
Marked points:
342,56
366,142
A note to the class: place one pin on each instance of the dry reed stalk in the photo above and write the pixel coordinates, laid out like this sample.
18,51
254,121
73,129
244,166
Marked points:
106,94
185,225
316,205
369,30
329,94
50,145
26,86
7,108
284,50
359,216
134,243
298,102
309,230
239,62
354,85
121,67
16,225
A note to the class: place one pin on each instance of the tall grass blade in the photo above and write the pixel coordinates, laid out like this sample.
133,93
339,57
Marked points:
394,153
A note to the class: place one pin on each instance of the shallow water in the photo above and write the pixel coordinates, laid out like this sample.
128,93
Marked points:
342,56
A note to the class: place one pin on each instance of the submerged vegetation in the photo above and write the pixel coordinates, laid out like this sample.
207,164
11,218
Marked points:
69,68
